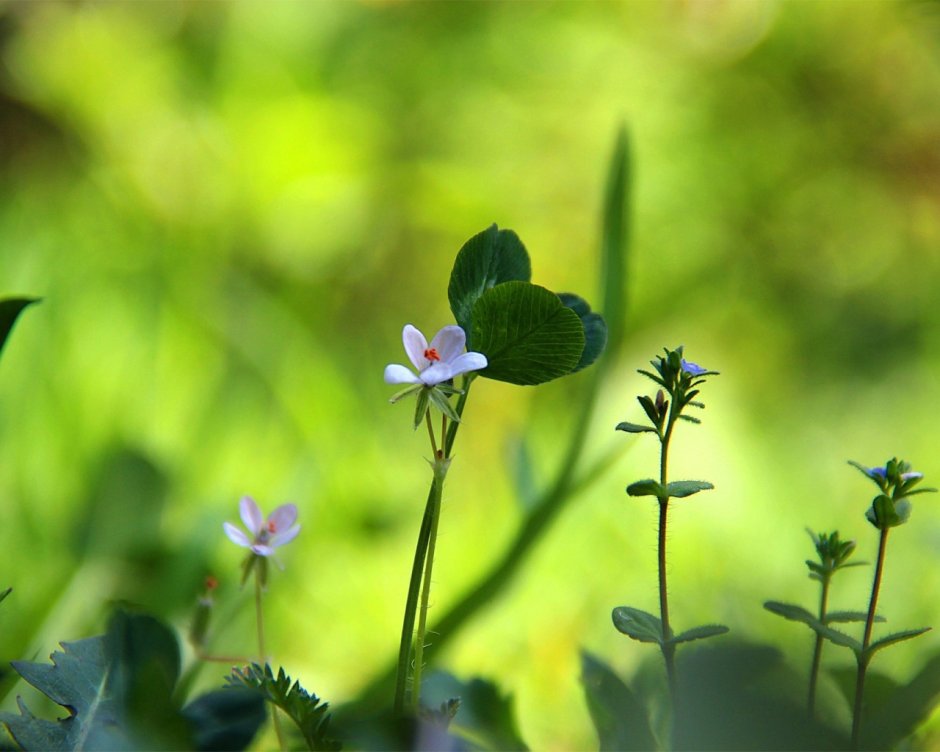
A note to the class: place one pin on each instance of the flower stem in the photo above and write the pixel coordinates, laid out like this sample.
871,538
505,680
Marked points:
263,657
436,489
427,416
669,649
869,623
817,650
427,533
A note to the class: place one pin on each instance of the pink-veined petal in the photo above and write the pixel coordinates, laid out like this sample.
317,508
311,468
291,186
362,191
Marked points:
250,514
282,518
396,374
436,374
415,345
449,342
261,549
471,361
279,539
236,536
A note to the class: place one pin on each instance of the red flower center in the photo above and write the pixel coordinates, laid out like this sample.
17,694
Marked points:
431,354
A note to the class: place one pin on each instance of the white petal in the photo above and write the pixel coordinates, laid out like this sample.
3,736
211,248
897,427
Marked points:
396,374
262,550
251,515
415,345
282,518
471,361
235,535
436,374
287,536
449,342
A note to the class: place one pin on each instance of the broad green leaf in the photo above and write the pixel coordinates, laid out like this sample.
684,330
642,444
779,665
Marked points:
634,428
797,613
647,487
619,717
489,258
638,624
892,639
303,708
899,713
699,633
485,719
595,330
526,334
679,489
10,309
615,239
844,617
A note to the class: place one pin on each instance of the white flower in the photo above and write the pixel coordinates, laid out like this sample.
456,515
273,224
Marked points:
440,361
278,529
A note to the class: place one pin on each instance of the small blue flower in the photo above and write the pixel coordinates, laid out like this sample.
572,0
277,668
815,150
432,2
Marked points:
876,473
693,369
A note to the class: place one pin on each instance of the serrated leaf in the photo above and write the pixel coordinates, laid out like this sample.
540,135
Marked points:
303,708
699,633
619,718
488,259
797,613
892,639
690,419
595,329
638,624
634,428
680,489
10,309
526,334
652,376
648,487
844,617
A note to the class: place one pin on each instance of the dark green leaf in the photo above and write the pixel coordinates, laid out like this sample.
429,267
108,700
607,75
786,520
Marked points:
844,617
797,613
489,258
634,428
421,405
443,404
638,624
679,489
690,419
899,713
226,718
649,407
647,487
619,717
700,633
303,708
526,333
10,309
892,639
5,593
595,330
652,376
485,719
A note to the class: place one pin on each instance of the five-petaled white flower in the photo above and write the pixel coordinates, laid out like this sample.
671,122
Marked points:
440,361
278,529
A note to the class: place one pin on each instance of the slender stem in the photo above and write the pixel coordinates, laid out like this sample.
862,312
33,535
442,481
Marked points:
263,657
869,623
427,416
817,650
669,649
426,591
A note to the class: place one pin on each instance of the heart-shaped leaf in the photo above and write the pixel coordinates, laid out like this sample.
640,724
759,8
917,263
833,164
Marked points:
638,624
489,258
526,334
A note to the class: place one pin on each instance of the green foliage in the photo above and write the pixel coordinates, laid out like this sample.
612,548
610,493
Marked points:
489,258
117,689
619,717
833,555
699,633
677,489
638,625
10,309
303,708
595,329
526,333
800,614
894,717
485,717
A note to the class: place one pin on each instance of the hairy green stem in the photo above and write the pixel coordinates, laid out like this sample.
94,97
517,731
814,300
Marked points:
866,640
668,648
263,658
419,567
818,648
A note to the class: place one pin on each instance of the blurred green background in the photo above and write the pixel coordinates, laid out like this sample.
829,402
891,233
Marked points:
231,209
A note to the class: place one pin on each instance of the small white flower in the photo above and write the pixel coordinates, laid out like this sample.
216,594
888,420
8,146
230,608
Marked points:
440,361
278,529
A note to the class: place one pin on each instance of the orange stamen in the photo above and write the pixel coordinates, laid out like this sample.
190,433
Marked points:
272,528
431,354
